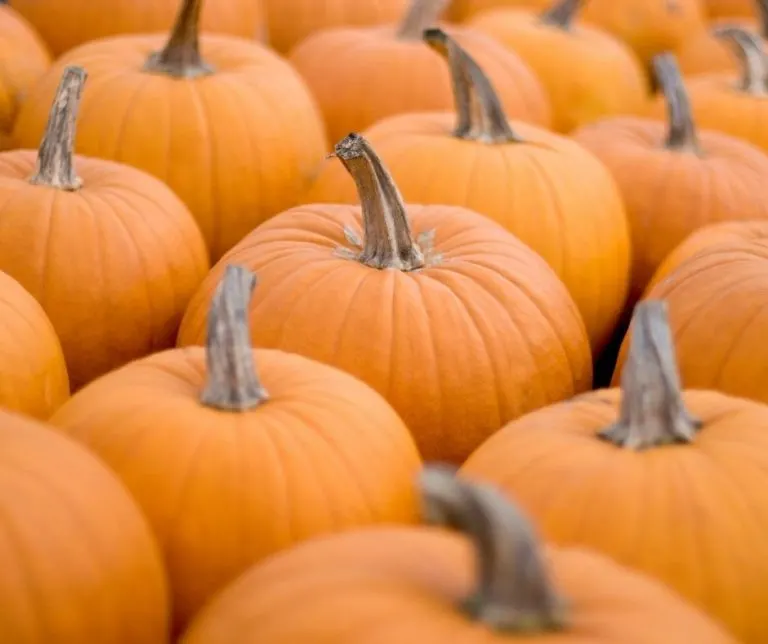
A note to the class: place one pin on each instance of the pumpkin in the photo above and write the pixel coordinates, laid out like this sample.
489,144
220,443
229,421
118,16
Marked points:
551,193
242,463
65,24
207,127
667,482
486,580
362,75
464,10
79,563
729,8
291,21
110,253
33,373
588,74
458,324
675,178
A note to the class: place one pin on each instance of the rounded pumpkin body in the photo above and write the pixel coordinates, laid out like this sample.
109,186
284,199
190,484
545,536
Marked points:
66,24
33,373
464,10
113,264
79,563
481,334
681,513
360,76
704,53
237,146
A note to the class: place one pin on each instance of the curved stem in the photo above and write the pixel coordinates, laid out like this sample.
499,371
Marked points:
749,49
181,57
514,593
387,240
480,114
232,381
55,157
562,13
682,130
652,409
421,15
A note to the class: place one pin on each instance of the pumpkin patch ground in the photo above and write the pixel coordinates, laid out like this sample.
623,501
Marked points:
366,321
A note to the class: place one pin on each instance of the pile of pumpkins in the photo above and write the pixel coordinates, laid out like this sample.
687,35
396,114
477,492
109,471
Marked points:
387,321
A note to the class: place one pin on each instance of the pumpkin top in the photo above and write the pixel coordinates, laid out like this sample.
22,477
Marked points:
233,384
480,113
562,13
681,135
652,410
421,15
748,47
181,57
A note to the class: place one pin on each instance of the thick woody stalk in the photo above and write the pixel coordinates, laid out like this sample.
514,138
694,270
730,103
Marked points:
681,134
421,15
562,13
748,47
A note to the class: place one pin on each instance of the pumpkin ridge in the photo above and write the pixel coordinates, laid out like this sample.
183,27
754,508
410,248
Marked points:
421,15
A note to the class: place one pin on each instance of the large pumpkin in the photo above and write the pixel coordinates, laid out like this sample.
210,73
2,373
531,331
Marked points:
79,564
33,373
362,75
111,254
588,74
490,583
675,178
235,133
671,483
549,192
230,466
456,322
65,24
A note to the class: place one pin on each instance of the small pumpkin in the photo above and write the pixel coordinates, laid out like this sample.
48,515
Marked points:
361,75
454,321
674,177
203,125
229,465
65,24
490,581
588,74
33,373
110,253
667,482
729,8
79,564
549,192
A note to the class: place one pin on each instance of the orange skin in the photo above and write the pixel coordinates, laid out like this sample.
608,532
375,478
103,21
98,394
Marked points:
551,194
404,585
703,53
33,373
377,75
112,264
730,8
464,10
458,347
66,25
224,489
237,146
662,511
79,563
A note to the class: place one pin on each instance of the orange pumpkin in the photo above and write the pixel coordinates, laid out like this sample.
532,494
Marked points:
671,483
464,10
548,191
729,8
79,565
360,76
235,134
587,73
111,254
243,465
490,583
65,24
33,374
456,322
674,178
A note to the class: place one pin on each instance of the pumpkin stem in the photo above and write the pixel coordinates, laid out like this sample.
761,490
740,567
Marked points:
682,130
562,13
232,381
421,15
55,157
387,239
181,57
749,49
480,114
652,409
514,593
